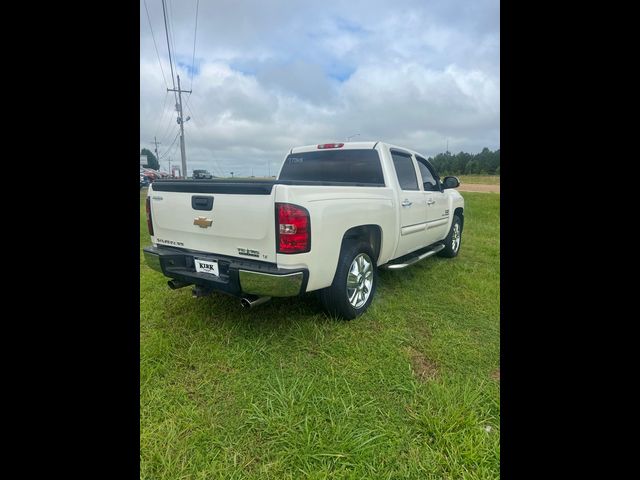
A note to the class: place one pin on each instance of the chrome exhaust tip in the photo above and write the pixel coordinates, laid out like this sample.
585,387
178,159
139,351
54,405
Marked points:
250,302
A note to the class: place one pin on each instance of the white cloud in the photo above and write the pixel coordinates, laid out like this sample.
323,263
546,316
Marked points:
273,75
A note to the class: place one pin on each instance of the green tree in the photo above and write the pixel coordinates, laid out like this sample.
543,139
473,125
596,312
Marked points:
152,161
485,162
462,160
472,167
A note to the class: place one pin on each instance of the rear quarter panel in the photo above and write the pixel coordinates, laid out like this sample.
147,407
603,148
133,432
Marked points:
333,211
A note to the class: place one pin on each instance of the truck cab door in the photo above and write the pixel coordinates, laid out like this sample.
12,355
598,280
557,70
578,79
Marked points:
413,207
437,203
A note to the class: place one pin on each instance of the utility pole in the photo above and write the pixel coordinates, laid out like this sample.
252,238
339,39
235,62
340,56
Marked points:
155,140
181,123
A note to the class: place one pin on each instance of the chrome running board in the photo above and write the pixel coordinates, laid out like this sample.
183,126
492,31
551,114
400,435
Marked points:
405,262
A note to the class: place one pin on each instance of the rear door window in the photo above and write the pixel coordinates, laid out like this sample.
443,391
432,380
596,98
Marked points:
405,171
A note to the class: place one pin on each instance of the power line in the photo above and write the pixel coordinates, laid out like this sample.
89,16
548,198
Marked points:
183,153
221,171
164,108
169,31
189,107
166,31
216,169
169,131
190,111
154,44
165,6
169,152
172,32
155,141
193,57
172,144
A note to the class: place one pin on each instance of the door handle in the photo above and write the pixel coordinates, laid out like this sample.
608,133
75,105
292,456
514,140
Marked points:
406,203
430,202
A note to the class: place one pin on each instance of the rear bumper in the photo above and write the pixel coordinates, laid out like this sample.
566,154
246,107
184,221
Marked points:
237,276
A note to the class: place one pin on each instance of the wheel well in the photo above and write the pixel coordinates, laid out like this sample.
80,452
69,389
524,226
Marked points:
372,234
459,211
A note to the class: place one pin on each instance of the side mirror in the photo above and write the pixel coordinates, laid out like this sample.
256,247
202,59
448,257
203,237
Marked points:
451,182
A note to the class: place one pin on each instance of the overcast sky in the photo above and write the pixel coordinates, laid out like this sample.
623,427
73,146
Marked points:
271,75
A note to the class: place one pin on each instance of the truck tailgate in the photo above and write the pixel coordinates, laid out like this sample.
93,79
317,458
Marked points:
235,219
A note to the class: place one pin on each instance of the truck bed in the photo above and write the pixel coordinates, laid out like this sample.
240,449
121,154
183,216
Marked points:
242,186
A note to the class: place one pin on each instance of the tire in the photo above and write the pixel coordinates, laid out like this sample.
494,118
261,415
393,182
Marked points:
452,247
335,298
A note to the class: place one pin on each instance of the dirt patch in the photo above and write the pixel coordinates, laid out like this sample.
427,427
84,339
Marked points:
495,375
477,187
422,367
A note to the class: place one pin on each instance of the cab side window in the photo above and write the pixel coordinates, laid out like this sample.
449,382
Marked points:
405,171
428,178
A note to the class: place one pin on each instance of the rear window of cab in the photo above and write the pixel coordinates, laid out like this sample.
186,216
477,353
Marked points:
340,166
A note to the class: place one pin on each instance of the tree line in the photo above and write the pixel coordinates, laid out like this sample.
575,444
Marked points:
483,163
152,161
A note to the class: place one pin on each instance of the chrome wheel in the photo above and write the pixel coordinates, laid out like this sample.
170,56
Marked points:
455,240
360,280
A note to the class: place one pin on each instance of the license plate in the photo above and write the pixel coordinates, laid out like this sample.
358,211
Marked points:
206,266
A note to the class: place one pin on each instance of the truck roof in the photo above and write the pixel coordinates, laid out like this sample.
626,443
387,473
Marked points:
354,145
347,145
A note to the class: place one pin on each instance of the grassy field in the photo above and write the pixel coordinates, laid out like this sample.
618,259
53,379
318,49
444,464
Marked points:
482,179
409,390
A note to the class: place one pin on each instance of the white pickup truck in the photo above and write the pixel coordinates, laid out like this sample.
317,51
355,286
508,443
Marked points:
336,213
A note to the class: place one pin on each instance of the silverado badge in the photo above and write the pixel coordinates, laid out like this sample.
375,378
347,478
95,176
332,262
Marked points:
202,222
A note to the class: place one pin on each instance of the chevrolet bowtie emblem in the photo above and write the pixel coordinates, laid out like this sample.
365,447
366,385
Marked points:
203,222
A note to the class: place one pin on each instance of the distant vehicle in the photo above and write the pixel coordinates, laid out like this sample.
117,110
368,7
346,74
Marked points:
144,181
148,176
336,212
150,173
201,174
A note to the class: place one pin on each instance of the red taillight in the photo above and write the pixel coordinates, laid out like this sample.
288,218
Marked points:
149,222
293,228
331,145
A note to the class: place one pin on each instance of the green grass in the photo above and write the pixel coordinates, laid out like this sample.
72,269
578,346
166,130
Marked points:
482,179
409,390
